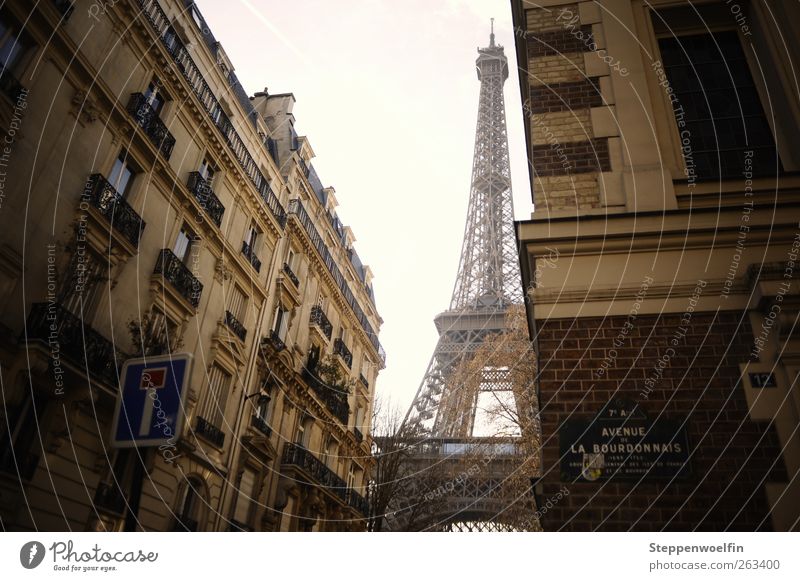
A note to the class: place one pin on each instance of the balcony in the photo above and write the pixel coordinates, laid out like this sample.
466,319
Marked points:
109,497
356,501
319,319
297,455
173,270
287,270
195,77
340,349
102,196
86,348
9,85
334,399
147,118
250,255
209,431
202,192
235,326
261,425
274,341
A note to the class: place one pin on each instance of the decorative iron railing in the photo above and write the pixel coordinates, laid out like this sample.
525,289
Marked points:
85,347
251,257
203,193
184,63
173,270
334,399
147,118
123,218
296,207
287,270
209,431
340,349
235,326
320,319
261,425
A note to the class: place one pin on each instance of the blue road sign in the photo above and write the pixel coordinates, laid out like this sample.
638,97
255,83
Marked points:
150,410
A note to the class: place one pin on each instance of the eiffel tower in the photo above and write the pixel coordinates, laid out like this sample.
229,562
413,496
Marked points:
443,417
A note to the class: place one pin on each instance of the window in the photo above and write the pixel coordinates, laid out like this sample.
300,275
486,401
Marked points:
252,236
351,475
280,324
236,302
12,45
122,173
197,17
171,39
155,97
191,505
207,170
183,244
216,397
300,435
20,434
244,501
718,109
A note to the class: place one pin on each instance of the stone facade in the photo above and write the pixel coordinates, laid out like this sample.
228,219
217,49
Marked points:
151,207
634,244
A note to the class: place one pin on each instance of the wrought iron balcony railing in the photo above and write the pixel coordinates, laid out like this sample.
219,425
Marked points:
209,431
319,319
10,85
250,255
261,425
108,496
235,326
173,270
340,349
297,455
203,193
287,270
147,118
334,399
296,208
85,347
184,63
275,340
123,218
356,501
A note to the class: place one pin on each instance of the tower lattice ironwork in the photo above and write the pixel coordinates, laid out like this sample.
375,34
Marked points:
488,279
442,420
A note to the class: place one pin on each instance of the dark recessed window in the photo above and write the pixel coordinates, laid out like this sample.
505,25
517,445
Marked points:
721,108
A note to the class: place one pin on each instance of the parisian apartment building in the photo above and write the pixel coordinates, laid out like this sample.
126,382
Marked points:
660,261
166,211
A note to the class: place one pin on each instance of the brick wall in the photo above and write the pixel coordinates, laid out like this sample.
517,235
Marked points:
732,454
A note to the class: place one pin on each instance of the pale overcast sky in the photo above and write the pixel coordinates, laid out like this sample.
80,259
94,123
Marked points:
388,96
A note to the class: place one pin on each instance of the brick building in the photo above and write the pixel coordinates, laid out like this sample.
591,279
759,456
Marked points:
660,261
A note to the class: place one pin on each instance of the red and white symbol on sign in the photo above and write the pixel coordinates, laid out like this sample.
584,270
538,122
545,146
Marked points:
154,378
151,380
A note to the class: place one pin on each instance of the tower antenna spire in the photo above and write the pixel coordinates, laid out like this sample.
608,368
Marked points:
491,36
